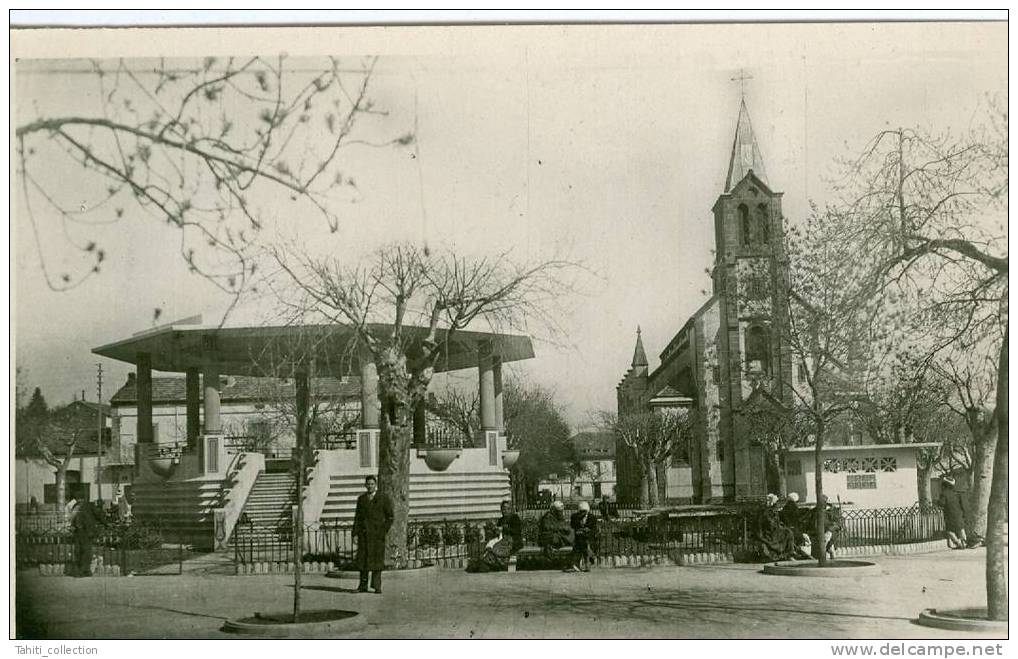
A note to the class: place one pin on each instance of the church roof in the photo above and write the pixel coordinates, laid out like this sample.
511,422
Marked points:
639,354
745,152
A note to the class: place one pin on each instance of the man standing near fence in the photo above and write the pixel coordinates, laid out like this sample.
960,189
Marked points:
84,528
371,523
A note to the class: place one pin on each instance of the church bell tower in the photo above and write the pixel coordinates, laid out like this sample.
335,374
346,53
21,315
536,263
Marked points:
750,280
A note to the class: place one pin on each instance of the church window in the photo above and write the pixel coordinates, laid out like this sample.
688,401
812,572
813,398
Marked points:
744,227
763,229
758,349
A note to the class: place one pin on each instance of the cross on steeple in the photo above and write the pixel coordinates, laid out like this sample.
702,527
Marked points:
741,79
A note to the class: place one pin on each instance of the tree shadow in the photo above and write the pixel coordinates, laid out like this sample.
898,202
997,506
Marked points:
178,611
701,607
328,589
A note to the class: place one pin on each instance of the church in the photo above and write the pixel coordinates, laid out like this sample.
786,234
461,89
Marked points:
729,353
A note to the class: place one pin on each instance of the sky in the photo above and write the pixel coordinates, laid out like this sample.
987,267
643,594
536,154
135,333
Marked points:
604,145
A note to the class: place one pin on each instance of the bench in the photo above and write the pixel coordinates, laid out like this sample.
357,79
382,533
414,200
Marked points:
561,557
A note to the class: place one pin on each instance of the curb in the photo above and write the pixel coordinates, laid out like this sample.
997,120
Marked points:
296,630
967,620
841,569
408,572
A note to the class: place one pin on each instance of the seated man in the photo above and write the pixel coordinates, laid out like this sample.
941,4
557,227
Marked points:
554,531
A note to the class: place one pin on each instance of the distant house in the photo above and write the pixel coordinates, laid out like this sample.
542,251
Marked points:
595,451
74,429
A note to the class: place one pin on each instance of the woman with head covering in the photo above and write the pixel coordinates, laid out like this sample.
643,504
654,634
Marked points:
777,541
584,527
554,531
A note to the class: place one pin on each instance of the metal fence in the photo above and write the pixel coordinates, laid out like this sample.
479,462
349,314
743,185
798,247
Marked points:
430,541
116,550
623,533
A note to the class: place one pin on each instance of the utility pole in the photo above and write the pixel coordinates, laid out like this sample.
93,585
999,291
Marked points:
102,427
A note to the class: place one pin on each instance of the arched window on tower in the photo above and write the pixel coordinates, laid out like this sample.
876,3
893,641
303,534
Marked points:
758,349
743,225
763,227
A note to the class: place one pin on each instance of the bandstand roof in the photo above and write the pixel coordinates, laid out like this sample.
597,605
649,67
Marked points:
274,350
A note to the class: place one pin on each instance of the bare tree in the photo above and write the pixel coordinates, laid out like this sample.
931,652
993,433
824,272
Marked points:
654,437
971,378
200,145
401,287
56,435
830,323
926,214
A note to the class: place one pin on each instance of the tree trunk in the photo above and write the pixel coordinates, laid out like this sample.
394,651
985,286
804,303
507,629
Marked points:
651,482
983,451
394,481
776,481
996,521
818,484
61,487
302,390
925,492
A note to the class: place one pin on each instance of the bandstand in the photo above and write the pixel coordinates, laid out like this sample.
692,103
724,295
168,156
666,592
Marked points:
199,488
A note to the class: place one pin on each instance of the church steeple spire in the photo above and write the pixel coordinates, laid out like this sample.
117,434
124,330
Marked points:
745,152
639,355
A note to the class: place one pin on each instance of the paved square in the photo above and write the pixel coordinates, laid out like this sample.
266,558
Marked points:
722,601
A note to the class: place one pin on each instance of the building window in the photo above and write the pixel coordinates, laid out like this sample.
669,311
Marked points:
869,465
763,229
862,481
719,451
832,465
793,468
851,465
744,227
800,371
758,346
888,464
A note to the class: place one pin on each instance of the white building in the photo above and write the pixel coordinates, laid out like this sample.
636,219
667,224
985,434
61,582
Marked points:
867,476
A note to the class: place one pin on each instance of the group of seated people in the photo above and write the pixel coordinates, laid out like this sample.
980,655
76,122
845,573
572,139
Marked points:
784,532
555,531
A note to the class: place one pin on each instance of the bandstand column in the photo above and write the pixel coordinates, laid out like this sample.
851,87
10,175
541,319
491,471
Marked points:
210,398
367,436
193,403
144,367
496,370
486,372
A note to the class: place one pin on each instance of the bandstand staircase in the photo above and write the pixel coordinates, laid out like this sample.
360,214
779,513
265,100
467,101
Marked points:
266,518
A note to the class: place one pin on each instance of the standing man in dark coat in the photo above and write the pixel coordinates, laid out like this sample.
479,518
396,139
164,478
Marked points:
371,523
84,528
954,513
